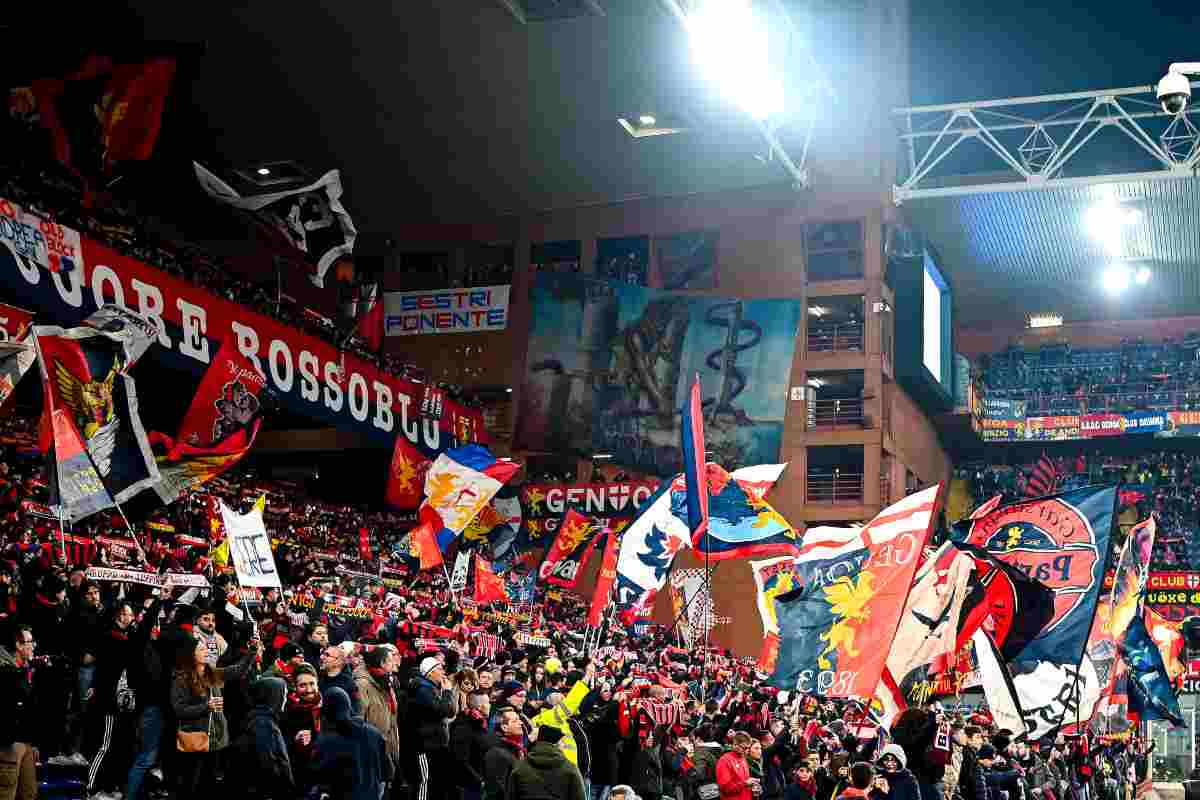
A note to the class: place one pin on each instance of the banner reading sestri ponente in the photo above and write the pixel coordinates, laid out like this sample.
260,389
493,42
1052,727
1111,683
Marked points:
482,308
63,278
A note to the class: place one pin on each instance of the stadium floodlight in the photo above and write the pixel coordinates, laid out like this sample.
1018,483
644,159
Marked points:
730,45
1116,278
1142,277
1107,222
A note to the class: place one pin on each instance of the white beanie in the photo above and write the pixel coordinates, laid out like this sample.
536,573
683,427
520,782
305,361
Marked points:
428,665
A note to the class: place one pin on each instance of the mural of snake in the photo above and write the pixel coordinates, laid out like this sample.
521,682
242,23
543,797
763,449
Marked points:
724,360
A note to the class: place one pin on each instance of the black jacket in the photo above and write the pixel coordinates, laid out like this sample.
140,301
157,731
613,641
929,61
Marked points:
498,764
646,777
352,757
17,706
261,749
344,680
970,777
428,709
470,743
545,775
119,652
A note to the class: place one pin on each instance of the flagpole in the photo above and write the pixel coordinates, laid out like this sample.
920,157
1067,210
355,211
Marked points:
132,535
62,536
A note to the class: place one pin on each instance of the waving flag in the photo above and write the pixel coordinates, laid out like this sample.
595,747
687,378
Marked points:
406,477
1062,541
1168,638
1130,577
648,549
1004,602
1043,479
489,587
219,428
836,631
457,487
691,432
604,581
741,523
100,453
15,360
1150,692
567,556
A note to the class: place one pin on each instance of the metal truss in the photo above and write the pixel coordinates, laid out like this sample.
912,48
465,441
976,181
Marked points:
770,130
1036,138
517,9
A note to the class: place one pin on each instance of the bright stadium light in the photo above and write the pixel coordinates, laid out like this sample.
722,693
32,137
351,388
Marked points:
1107,222
1142,277
1116,279
730,45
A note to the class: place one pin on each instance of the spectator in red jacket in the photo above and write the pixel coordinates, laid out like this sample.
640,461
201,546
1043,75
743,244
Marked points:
733,771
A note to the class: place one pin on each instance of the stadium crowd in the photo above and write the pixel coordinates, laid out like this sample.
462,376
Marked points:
359,688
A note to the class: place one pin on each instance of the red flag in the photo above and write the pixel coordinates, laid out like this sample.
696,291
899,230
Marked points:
565,557
369,317
604,581
489,587
1043,479
406,479
364,544
424,538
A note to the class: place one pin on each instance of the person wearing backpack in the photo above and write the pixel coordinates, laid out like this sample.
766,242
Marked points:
705,757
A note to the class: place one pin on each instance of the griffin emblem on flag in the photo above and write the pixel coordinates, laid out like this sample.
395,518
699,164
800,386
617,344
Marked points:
236,408
848,601
91,403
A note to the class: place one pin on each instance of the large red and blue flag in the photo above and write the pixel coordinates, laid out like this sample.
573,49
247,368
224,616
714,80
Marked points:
836,630
740,521
695,476
457,487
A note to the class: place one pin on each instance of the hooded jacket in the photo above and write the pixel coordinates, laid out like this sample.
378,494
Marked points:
261,747
545,774
902,785
352,756
429,709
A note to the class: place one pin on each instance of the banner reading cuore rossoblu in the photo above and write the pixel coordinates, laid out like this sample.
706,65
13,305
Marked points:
608,366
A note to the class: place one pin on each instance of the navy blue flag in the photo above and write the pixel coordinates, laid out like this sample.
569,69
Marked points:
1150,694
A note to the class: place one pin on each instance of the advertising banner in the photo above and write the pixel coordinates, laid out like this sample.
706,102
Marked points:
1052,428
609,365
1002,430
1173,589
52,271
1004,408
482,308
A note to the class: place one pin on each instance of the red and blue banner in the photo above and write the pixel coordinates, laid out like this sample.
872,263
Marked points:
567,556
835,632
457,487
695,476
741,523
1150,692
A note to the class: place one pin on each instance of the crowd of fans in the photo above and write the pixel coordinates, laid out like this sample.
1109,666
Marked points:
1163,482
360,688
1057,379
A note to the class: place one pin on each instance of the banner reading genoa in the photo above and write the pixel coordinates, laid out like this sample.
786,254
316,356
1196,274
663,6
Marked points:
835,632
608,368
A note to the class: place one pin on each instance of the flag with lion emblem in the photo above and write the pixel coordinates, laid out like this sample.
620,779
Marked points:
572,546
836,630
406,477
99,454
218,430
457,487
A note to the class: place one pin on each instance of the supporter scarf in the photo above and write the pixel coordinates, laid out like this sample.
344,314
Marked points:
284,667
313,708
475,714
380,677
119,635
517,741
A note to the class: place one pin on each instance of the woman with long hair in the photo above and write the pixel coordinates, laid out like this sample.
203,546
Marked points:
196,691
466,681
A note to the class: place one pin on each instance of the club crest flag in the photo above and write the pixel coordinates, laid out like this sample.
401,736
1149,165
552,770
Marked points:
570,550
100,452
407,474
836,630
741,523
218,430
489,587
458,486
1061,541
772,577
648,549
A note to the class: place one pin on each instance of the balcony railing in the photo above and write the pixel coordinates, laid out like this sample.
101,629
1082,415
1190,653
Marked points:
836,415
835,488
836,338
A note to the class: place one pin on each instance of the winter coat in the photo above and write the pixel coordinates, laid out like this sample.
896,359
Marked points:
558,716
646,778
191,709
18,708
118,652
971,784
344,680
545,774
470,743
733,775
261,750
352,759
377,701
603,735
429,707
902,785
498,764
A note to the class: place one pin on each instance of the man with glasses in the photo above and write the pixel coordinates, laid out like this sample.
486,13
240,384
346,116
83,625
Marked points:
18,758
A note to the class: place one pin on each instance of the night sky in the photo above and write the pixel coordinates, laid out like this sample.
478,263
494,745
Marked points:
982,49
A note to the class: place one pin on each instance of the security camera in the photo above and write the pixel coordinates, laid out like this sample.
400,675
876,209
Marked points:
1174,91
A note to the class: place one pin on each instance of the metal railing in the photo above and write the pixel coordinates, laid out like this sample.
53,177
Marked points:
837,488
835,338
836,414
